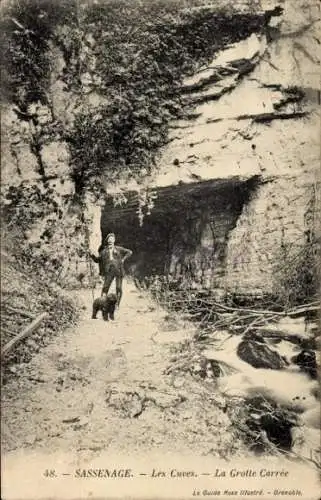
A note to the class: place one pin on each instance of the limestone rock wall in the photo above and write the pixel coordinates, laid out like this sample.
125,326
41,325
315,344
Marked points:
255,110
204,265
199,240
36,171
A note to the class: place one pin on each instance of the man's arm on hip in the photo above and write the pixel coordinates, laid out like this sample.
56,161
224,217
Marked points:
125,252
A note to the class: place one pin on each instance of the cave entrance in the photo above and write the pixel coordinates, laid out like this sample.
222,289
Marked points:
186,233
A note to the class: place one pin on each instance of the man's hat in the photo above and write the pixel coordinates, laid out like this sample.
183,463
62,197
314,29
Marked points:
109,235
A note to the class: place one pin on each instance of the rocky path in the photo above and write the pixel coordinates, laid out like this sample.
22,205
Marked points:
102,386
100,396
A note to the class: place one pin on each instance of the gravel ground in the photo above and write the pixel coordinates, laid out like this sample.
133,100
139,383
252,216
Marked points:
101,386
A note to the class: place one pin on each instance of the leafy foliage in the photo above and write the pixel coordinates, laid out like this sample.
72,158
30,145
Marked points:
23,288
44,231
140,53
27,28
28,203
133,55
120,63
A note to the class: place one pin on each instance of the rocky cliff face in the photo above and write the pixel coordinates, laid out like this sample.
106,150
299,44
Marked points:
36,176
79,104
255,111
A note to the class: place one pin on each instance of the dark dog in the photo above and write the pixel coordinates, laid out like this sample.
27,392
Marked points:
106,305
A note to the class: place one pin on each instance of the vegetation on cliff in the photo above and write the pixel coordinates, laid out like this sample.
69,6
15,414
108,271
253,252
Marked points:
117,66
134,55
30,289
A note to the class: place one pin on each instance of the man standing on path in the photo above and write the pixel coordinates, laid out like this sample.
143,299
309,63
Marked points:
111,264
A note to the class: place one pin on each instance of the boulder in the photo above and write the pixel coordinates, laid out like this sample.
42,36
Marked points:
259,355
265,415
306,360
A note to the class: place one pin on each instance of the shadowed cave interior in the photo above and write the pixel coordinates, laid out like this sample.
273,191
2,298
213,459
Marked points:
186,232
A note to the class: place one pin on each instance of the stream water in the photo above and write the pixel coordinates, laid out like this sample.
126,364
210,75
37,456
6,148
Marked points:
290,393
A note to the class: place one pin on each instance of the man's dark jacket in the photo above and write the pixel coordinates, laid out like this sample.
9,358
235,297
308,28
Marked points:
114,265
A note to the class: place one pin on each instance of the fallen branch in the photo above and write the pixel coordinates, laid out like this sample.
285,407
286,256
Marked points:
25,333
8,331
291,337
22,312
268,117
251,325
297,310
255,322
304,309
254,311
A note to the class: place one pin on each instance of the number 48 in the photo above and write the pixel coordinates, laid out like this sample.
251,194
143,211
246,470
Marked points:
50,473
